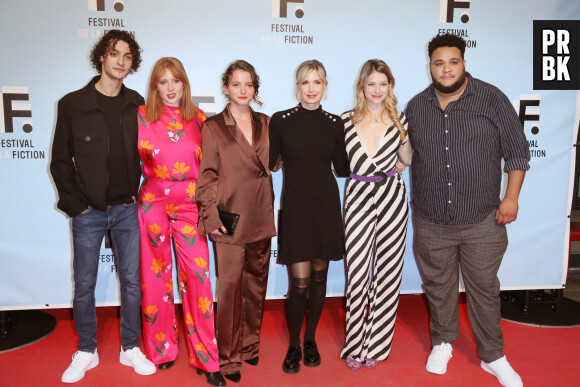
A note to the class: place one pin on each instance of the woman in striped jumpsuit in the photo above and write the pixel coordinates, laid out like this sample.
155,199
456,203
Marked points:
376,215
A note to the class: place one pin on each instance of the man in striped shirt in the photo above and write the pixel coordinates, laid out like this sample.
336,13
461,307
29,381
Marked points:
461,128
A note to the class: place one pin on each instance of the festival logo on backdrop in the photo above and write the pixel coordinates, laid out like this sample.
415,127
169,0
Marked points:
528,109
104,16
448,13
99,5
18,145
448,7
280,8
556,54
205,100
285,27
107,261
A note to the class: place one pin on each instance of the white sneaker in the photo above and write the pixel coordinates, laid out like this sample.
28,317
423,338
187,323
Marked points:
438,359
504,372
135,358
81,363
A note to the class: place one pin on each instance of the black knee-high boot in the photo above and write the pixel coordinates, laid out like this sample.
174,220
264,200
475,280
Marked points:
316,297
297,302
296,310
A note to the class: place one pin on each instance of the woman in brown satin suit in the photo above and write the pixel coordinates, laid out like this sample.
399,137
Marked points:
234,178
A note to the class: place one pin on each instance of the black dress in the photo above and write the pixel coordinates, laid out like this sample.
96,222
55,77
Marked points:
308,141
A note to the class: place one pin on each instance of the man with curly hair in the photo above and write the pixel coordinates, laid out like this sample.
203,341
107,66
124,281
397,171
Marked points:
461,128
96,170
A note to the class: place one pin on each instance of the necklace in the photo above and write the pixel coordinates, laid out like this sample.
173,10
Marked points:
375,118
174,119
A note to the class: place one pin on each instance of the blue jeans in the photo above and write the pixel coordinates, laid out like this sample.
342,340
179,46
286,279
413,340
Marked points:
89,229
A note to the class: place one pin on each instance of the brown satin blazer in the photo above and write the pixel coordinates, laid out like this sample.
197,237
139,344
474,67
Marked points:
234,177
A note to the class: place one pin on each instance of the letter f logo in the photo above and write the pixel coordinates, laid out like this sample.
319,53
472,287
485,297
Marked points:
280,8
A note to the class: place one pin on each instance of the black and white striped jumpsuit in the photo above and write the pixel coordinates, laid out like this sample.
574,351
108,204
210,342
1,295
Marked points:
376,218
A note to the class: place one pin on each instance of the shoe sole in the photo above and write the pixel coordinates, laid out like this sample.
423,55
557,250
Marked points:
91,365
353,368
165,368
252,362
129,363
290,371
202,372
436,372
368,359
312,363
487,369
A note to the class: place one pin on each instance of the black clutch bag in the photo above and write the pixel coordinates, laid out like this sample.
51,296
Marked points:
230,221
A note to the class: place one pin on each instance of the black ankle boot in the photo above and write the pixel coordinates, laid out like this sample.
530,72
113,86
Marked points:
165,366
291,364
213,378
235,377
311,355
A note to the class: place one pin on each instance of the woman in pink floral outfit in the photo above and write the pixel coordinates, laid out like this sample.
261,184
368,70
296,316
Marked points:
170,148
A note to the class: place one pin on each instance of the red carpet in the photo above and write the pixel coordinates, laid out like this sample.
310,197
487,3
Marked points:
542,356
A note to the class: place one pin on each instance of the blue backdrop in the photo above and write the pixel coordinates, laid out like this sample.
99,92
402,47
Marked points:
45,46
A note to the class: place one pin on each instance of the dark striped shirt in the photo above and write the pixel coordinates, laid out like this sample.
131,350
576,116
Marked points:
456,171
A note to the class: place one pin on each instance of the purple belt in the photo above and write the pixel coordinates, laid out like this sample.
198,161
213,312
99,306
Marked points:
379,178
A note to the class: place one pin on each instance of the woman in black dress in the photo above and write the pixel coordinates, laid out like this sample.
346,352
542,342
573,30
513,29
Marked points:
308,141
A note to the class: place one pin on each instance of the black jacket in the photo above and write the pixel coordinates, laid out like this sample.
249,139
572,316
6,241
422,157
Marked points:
79,164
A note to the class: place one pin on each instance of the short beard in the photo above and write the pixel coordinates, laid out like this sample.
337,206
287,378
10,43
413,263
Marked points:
451,88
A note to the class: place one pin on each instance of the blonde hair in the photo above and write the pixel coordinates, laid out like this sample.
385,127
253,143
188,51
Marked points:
304,69
187,109
389,104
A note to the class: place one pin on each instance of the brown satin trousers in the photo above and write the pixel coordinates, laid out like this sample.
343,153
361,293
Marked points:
242,272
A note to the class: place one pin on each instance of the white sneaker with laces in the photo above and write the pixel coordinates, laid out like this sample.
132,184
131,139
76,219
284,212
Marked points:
135,358
438,359
503,371
81,363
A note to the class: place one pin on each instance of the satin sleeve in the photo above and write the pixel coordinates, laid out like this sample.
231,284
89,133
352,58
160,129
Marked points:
275,158
207,182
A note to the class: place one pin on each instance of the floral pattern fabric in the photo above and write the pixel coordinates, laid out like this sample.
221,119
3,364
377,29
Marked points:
171,152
